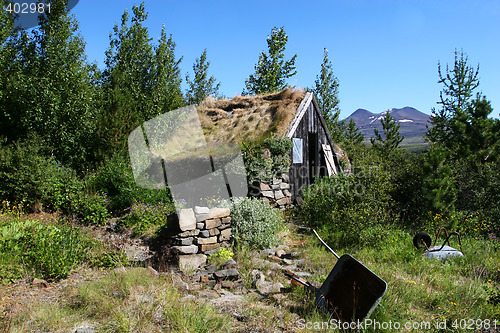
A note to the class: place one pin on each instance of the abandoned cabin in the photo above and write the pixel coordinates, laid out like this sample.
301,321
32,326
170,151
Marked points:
290,113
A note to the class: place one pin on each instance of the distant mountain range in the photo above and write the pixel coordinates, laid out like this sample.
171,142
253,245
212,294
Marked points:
413,123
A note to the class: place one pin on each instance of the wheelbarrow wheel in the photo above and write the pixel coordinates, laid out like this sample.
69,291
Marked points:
420,238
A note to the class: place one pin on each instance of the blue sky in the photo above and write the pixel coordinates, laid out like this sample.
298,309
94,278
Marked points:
384,53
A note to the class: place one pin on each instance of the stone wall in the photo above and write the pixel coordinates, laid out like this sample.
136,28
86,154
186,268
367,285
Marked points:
276,192
196,233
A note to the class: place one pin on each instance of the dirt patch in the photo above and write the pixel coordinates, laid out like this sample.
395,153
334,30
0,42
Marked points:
18,296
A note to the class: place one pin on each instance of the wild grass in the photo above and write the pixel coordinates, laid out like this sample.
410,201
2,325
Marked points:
130,301
249,118
48,246
419,289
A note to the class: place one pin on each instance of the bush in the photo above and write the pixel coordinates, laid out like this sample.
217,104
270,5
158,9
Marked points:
115,178
261,166
108,259
471,224
486,193
28,247
255,223
278,146
280,153
12,229
90,208
27,174
52,252
143,216
65,192
345,204
221,256
258,166
45,251
408,192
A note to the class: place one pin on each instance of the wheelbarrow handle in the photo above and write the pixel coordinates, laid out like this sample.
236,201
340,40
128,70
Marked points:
447,240
326,245
299,281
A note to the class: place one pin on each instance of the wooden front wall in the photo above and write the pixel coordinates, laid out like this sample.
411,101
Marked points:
313,133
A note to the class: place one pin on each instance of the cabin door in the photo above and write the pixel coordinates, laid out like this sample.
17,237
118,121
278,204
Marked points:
312,141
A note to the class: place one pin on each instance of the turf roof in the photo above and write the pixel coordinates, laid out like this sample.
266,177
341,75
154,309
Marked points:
249,118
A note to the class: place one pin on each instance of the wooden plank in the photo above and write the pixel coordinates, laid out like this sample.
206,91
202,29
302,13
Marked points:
330,164
300,113
328,136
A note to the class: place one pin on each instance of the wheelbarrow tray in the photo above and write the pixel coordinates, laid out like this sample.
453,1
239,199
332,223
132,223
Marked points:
351,292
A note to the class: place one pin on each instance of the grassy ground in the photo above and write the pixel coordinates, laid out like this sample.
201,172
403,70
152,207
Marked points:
128,301
424,291
417,148
461,292
412,145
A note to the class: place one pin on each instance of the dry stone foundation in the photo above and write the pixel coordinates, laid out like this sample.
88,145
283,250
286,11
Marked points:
196,233
276,192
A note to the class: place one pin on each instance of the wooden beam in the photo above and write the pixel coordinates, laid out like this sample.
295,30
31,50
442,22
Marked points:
330,164
328,136
300,113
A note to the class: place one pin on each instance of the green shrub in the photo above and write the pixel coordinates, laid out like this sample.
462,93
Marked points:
90,208
52,252
345,204
115,178
280,152
144,216
255,223
281,163
278,146
28,174
220,256
10,273
108,259
12,229
60,188
67,193
408,191
29,247
11,268
472,224
258,166
488,194
263,167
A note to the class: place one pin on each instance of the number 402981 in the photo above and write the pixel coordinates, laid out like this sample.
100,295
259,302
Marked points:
27,8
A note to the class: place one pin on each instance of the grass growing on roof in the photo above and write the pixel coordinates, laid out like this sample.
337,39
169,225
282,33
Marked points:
249,118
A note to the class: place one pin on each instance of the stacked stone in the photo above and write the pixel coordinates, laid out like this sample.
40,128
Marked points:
201,231
277,193
215,228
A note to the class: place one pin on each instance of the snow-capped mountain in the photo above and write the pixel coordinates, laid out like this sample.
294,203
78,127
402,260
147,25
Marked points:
413,122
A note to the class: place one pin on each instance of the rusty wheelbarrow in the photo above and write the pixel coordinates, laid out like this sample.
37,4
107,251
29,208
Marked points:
350,292
435,251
